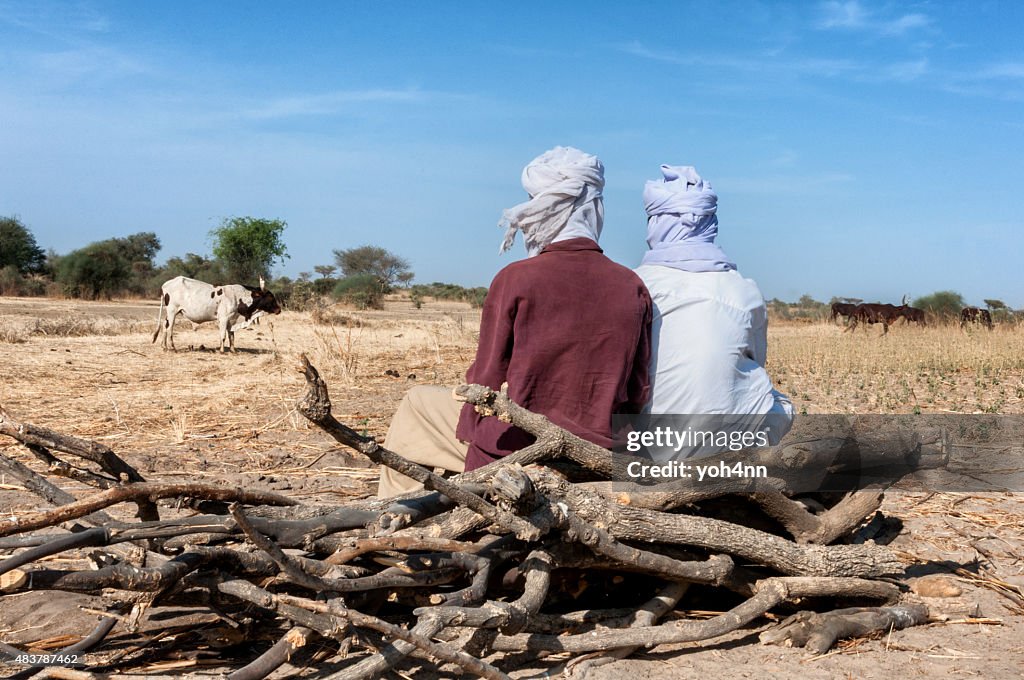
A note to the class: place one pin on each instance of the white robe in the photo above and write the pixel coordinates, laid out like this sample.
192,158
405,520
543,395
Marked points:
709,341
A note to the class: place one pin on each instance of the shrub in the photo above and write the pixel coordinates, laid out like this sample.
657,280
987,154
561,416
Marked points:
361,291
945,304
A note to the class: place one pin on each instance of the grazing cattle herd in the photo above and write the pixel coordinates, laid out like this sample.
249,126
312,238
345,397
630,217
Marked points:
874,312
232,306
235,306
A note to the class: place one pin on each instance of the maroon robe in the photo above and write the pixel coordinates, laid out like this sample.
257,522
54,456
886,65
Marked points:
570,332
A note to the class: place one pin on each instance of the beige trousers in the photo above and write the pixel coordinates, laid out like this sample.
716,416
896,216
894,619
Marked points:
423,431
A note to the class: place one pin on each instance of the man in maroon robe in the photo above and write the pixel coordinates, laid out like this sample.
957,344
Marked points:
566,328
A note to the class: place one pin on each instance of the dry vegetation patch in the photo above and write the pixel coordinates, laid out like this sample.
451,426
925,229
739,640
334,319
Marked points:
199,415
927,370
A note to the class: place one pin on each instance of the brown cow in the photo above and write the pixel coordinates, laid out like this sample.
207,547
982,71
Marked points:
874,312
844,309
911,314
975,315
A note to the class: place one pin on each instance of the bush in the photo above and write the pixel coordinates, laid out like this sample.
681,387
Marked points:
945,304
10,281
448,291
361,291
94,271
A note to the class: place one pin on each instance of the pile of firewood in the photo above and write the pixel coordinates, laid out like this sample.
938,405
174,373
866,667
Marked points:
510,562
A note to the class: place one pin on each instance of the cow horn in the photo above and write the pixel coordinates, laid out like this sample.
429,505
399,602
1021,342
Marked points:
904,301
263,285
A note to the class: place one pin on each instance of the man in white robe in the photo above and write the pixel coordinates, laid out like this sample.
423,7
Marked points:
709,331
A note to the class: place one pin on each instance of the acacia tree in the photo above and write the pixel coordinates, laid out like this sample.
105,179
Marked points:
247,247
384,266
18,247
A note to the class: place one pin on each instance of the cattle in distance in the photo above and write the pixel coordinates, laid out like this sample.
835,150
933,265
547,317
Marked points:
232,306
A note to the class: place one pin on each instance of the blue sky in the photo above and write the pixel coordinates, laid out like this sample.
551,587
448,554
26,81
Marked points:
858,148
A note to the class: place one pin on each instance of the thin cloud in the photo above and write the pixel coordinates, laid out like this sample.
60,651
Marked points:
61,22
329,103
843,15
906,71
761,63
853,16
1006,70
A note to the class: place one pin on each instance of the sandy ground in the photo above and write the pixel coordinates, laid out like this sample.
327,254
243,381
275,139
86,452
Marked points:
197,414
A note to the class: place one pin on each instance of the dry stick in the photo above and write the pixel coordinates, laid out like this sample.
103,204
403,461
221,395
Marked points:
150,579
512,616
389,655
84,539
150,491
325,625
275,657
59,468
365,545
434,649
389,578
648,615
538,580
818,632
819,529
97,453
316,407
41,487
770,593
513,480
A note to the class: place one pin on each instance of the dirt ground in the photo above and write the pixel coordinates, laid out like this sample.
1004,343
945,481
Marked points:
198,414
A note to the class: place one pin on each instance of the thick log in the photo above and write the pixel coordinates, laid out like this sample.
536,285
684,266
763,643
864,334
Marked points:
628,523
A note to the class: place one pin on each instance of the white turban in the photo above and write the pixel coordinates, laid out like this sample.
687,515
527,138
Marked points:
564,185
681,222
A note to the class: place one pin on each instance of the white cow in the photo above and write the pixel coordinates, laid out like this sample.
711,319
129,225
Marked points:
232,306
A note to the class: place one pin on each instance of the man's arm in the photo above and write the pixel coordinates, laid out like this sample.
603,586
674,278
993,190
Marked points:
639,387
493,350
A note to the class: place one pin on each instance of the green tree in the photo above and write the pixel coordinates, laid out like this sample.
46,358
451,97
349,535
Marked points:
18,247
326,271
97,270
247,247
106,268
387,268
945,304
194,267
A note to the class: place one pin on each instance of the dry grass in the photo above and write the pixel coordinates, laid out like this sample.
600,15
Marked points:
933,369
123,389
17,331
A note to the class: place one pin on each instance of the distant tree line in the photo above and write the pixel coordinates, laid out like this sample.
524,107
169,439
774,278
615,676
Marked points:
943,305
244,249
364,275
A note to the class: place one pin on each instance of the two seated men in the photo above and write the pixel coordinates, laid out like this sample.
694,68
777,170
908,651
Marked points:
580,338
